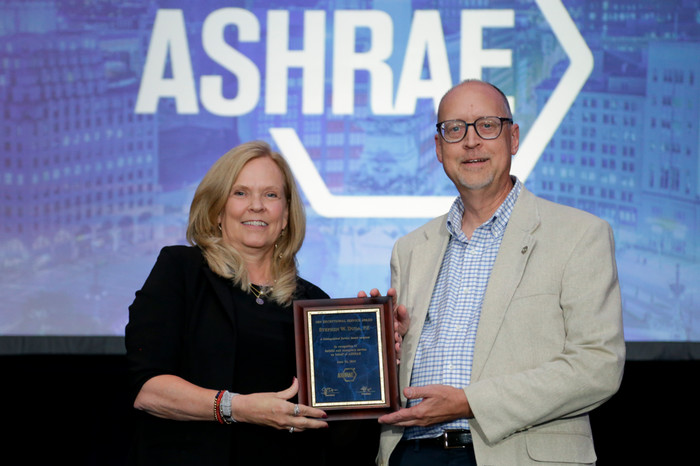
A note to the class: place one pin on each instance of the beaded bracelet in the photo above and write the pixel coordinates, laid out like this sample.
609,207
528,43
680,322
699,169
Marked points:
217,411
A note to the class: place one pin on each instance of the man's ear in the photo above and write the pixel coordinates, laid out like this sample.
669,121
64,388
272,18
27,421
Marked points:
438,148
514,139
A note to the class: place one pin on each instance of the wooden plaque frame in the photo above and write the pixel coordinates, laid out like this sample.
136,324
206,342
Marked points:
333,329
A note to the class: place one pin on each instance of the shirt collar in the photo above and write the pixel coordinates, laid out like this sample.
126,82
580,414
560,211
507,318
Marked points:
496,224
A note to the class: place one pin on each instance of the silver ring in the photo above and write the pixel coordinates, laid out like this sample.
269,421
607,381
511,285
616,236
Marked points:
296,410
291,430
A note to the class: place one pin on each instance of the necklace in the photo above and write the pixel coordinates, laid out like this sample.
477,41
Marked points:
259,293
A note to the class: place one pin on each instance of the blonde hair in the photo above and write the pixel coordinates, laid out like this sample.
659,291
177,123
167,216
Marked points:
209,201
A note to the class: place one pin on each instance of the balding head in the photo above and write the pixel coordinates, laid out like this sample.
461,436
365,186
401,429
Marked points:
488,88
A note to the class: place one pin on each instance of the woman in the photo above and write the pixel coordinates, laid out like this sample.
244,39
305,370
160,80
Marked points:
210,335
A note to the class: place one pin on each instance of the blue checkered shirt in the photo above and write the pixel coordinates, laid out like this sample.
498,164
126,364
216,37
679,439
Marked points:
446,346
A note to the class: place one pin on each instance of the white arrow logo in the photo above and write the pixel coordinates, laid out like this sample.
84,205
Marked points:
564,94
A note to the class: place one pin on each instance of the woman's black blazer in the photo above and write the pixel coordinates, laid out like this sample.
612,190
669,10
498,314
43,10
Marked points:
182,322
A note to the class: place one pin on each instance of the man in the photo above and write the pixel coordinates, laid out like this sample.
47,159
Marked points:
514,304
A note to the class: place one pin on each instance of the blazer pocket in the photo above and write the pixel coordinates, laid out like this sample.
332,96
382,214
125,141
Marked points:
560,447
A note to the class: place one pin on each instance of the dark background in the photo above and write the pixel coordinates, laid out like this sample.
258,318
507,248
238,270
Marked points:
74,409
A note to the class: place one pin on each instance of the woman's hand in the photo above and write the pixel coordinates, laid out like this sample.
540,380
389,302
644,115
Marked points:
172,397
401,318
272,409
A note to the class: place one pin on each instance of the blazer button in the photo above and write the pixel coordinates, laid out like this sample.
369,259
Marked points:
523,250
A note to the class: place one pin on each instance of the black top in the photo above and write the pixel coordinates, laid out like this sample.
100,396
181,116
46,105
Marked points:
266,362
265,350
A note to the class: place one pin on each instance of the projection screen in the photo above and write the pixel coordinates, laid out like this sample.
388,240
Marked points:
111,112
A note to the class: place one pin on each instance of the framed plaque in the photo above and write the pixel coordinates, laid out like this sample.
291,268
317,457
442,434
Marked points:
346,358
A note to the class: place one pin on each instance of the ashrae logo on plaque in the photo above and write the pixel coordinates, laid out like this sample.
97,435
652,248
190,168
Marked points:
348,374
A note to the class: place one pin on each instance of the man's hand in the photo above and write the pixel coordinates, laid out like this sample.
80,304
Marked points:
440,403
401,318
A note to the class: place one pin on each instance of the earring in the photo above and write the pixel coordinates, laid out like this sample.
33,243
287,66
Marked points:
220,227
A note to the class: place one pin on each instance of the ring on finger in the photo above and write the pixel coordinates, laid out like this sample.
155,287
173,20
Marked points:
296,410
291,430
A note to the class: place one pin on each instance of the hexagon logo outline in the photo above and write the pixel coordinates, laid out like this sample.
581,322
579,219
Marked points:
552,114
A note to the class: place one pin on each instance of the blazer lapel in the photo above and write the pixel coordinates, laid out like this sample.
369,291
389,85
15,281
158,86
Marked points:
516,247
222,289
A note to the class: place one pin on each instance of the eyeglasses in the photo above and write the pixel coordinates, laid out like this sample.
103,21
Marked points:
488,127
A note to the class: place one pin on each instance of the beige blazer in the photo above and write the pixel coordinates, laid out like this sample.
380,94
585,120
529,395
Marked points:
549,347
